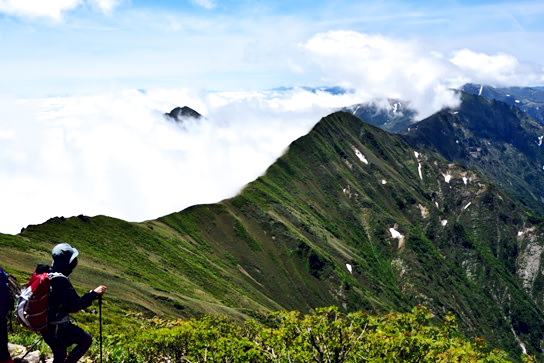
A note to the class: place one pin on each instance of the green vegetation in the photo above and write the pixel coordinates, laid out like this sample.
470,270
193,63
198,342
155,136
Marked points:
324,336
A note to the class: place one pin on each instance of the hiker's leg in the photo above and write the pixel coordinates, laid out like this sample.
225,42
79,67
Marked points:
4,352
59,354
83,341
56,344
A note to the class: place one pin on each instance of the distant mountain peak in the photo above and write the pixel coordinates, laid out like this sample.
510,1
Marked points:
391,114
333,90
528,99
182,113
495,138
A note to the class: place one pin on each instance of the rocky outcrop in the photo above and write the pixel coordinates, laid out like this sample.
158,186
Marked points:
19,351
179,114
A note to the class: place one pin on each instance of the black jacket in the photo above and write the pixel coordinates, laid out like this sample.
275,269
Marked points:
63,299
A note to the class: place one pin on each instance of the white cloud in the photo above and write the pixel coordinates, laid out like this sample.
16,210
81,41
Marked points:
382,67
38,8
208,4
500,69
106,6
52,9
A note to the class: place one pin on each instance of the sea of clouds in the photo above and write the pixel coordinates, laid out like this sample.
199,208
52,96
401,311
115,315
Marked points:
114,153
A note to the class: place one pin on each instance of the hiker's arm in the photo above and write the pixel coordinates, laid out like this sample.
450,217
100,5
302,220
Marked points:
70,297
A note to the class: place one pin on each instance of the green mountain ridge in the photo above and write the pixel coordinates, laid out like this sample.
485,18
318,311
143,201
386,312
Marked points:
498,140
528,99
351,216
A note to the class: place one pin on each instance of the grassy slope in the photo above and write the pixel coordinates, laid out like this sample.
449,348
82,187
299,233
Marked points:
285,240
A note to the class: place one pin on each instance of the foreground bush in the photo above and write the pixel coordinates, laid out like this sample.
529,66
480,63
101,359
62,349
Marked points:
327,335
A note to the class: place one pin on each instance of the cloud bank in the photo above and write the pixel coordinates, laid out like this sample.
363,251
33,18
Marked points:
115,154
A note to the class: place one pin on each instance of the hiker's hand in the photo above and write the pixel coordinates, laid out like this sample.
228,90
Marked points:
101,289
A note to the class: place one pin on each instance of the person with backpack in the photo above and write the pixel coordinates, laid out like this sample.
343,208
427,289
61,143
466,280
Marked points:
63,300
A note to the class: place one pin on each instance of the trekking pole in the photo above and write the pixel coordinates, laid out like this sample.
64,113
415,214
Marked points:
31,349
100,317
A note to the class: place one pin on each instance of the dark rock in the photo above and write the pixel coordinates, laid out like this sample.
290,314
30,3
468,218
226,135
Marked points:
182,113
84,218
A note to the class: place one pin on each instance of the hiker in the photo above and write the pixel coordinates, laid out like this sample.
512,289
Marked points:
9,289
63,300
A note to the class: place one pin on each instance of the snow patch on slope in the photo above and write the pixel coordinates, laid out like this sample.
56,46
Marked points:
397,235
417,155
360,155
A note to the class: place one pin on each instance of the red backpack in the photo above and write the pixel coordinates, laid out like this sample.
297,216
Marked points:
33,305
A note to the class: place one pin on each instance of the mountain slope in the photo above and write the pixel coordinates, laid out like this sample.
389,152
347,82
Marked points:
351,215
391,115
437,263
498,140
528,99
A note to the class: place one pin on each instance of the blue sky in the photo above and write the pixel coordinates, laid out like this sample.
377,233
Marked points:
227,45
84,85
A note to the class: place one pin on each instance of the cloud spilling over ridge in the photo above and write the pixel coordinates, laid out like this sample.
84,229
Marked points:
383,67
115,154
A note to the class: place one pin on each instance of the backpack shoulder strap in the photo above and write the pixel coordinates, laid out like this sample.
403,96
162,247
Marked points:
14,287
56,276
